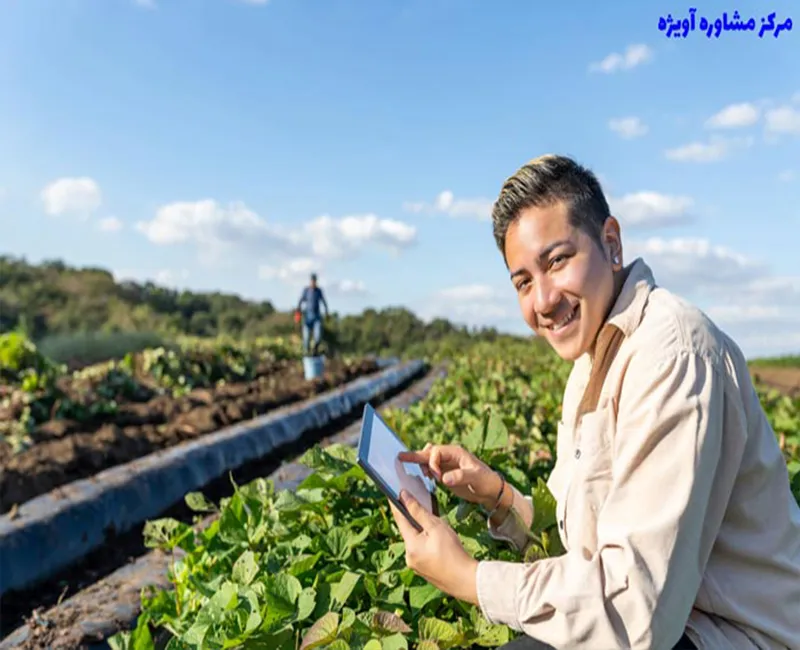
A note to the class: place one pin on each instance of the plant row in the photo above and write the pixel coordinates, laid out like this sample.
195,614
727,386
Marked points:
34,389
323,566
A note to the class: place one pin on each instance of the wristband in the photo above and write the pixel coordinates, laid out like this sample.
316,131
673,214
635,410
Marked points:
499,496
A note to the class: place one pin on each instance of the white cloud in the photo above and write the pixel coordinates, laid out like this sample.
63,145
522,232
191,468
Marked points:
110,224
698,152
759,310
349,287
694,263
293,271
628,127
235,228
734,116
715,150
205,223
784,119
633,56
80,196
338,238
446,203
787,175
743,313
649,208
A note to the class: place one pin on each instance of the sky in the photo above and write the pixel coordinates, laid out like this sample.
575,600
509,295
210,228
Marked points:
238,145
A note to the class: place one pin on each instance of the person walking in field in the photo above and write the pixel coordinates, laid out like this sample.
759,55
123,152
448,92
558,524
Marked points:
309,307
673,496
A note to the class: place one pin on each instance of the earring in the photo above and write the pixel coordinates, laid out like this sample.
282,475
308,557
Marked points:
616,259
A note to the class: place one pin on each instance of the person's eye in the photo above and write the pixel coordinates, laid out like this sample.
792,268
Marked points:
558,261
522,284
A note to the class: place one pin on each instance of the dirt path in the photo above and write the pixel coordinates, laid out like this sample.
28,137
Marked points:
786,380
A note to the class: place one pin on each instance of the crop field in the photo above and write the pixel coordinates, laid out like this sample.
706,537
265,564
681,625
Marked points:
323,566
317,566
58,426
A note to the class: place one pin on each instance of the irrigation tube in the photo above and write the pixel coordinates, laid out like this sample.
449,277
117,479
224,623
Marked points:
55,529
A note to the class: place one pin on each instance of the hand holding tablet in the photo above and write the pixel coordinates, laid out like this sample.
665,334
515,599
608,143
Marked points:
378,450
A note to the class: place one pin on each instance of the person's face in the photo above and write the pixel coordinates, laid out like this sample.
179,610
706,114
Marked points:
313,283
563,280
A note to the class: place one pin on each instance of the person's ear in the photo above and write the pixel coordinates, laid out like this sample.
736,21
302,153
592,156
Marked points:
612,241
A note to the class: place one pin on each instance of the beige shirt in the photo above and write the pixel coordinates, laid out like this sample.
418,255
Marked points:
673,500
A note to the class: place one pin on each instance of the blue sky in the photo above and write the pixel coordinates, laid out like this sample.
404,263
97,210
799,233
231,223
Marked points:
235,145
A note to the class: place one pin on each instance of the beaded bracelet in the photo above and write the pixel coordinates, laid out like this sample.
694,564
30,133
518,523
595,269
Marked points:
490,514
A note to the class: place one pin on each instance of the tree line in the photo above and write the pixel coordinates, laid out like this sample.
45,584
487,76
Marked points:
54,302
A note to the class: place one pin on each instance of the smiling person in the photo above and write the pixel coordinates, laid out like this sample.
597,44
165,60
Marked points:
674,503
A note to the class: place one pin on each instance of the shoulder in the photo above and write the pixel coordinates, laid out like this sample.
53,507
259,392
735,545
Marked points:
672,326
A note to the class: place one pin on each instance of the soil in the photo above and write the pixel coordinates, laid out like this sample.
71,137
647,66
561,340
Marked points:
66,451
59,628
786,380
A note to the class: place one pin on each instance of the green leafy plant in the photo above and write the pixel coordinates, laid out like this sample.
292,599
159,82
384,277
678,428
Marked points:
323,566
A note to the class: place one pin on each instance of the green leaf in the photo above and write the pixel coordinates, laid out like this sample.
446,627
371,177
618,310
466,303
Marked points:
394,642
473,441
544,507
339,644
428,644
422,595
304,564
496,433
306,602
341,590
166,534
245,568
281,592
436,630
198,502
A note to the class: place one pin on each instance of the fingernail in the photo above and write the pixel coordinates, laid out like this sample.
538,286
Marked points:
448,480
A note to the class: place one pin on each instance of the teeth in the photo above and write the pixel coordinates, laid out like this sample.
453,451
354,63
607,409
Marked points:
566,321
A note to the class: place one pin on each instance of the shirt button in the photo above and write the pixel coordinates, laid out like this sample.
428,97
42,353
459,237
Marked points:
561,524
577,453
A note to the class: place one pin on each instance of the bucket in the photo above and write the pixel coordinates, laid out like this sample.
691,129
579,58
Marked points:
313,367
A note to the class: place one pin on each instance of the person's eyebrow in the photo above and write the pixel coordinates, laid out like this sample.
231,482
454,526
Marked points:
543,254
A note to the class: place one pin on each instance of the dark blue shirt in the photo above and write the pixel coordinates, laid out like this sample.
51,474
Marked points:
312,299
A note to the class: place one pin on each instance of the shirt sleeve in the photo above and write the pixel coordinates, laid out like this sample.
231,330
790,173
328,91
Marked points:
673,473
515,528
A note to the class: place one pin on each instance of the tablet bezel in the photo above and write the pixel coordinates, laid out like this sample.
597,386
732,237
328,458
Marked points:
363,455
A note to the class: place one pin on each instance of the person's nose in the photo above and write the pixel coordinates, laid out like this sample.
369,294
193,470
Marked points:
546,295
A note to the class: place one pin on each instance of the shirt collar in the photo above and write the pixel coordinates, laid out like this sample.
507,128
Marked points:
628,309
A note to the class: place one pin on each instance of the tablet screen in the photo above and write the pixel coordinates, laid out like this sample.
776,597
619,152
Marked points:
381,456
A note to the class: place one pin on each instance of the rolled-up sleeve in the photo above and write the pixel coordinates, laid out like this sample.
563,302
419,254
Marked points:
515,528
676,448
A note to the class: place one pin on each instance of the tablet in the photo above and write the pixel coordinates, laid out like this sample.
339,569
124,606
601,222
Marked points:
378,448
